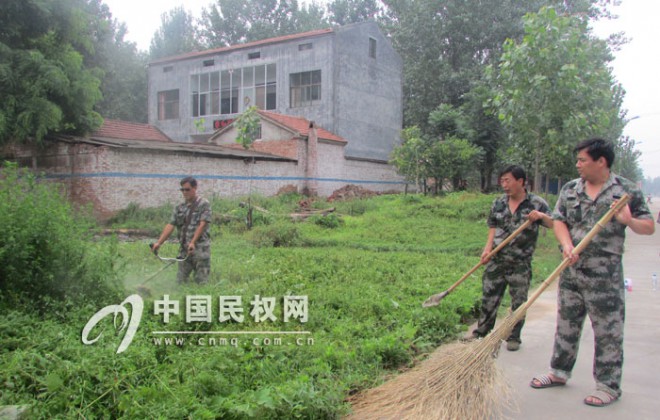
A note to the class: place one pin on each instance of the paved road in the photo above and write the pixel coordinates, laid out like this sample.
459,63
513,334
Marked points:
641,370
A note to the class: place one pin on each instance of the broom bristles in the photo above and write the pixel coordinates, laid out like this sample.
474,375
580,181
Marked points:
461,381
458,381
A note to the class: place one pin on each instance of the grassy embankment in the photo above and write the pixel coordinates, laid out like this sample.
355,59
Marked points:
365,270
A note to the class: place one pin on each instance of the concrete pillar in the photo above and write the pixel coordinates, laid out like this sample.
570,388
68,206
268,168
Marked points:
312,168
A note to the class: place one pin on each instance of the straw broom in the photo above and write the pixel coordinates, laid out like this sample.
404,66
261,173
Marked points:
461,380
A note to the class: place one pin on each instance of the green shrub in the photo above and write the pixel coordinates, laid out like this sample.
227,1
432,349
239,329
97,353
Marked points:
46,255
134,217
278,234
330,221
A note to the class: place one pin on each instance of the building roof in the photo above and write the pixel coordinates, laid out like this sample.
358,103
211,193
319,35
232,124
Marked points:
124,130
137,136
300,126
253,44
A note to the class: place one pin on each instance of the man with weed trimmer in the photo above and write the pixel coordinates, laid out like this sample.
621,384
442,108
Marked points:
192,219
593,284
512,266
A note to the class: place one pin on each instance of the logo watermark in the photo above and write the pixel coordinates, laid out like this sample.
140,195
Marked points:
199,309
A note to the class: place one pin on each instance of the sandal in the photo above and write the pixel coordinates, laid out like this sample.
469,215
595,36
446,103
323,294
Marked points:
600,399
545,381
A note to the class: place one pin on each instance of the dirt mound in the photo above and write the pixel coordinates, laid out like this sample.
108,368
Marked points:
351,191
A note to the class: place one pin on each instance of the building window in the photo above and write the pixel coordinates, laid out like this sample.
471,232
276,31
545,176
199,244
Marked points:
168,69
234,90
253,55
208,63
168,104
372,48
305,88
303,47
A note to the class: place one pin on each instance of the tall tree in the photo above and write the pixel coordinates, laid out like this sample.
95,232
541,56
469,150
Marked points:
626,161
124,79
44,84
445,46
344,12
231,22
552,89
176,35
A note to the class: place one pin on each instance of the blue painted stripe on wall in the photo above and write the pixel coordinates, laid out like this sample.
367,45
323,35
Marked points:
219,177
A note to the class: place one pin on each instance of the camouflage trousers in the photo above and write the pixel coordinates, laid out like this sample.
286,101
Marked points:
199,262
497,275
593,287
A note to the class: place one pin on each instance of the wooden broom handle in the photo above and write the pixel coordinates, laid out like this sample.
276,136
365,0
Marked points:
578,248
497,249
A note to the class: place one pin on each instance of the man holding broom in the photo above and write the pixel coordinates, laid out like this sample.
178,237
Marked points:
513,264
593,283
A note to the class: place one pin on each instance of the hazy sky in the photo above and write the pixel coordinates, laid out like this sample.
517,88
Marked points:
636,65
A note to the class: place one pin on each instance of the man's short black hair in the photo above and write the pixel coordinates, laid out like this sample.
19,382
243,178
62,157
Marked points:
189,180
597,148
516,171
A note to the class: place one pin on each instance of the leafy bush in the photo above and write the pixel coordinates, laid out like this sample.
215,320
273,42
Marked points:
134,216
46,256
330,221
278,234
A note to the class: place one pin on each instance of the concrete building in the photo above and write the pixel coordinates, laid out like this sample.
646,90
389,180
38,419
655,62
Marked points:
347,80
330,113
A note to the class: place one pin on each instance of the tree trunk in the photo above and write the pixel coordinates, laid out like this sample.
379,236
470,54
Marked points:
537,170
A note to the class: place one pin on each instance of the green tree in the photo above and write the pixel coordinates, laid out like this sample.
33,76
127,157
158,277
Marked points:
421,160
452,159
248,125
410,157
552,89
47,258
445,46
124,80
231,22
626,161
344,12
176,35
486,132
44,84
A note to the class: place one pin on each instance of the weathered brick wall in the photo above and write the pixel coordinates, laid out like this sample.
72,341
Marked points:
111,178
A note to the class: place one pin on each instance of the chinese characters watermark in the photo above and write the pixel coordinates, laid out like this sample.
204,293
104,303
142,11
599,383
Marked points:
200,308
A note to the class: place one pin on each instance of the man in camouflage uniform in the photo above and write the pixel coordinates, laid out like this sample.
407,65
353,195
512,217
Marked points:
512,265
593,284
192,219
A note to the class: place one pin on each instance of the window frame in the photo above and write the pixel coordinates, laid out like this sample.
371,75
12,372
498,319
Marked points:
305,88
168,107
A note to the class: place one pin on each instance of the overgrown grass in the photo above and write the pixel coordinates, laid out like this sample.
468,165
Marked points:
365,270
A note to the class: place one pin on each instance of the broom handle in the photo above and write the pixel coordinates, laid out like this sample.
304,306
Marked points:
578,249
504,243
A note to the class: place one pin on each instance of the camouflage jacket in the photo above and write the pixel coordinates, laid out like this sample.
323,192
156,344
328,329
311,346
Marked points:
201,212
580,213
504,223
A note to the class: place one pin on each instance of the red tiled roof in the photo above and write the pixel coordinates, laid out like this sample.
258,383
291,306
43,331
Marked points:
246,45
115,129
300,125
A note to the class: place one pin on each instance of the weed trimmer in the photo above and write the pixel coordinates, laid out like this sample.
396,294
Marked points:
144,290
461,381
435,299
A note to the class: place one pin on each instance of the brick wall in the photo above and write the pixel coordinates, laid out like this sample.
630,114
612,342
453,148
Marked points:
110,178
